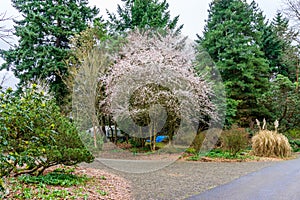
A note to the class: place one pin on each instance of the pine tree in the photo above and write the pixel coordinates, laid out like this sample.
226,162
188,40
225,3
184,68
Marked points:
268,40
286,37
44,36
276,42
142,14
231,40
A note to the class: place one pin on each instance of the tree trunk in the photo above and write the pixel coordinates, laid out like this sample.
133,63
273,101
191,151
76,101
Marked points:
154,136
116,134
103,128
95,127
297,77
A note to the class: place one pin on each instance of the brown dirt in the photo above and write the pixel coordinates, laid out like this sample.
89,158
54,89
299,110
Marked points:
116,187
112,151
113,187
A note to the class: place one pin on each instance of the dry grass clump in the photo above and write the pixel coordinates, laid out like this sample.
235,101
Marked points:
270,143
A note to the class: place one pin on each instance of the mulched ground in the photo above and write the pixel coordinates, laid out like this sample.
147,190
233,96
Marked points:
110,185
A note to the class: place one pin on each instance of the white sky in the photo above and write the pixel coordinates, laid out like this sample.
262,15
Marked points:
192,13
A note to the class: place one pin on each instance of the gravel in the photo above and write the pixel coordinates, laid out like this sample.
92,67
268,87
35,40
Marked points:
183,179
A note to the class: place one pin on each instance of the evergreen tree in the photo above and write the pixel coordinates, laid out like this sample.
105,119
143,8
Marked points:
44,36
268,40
276,42
142,14
286,37
231,40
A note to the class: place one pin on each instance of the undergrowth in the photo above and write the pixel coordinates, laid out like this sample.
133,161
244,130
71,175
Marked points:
53,185
219,153
55,178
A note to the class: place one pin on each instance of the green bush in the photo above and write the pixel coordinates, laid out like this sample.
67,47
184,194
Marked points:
219,153
34,134
55,178
293,136
137,142
295,144
235,140
191,150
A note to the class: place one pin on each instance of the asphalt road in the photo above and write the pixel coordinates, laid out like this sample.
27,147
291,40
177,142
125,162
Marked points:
276,182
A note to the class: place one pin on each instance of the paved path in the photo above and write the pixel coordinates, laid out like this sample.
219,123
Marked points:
276,182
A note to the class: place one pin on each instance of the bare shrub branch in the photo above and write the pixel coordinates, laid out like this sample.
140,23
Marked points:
5,33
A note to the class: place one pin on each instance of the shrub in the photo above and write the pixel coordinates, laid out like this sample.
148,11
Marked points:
137,142
191,150
270,143
295,144
55,178
34,135
293,136
234,140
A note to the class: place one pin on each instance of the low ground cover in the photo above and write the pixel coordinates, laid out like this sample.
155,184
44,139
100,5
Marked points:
68,183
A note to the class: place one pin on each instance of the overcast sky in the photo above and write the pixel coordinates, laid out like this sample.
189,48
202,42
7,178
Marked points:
192,13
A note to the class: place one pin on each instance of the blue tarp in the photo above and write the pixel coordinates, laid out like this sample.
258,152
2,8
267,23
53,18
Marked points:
159,138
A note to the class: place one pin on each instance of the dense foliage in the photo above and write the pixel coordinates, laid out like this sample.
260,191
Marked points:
60,43
142,14
231,42
250,53
282,101
34,134
139,71
44,34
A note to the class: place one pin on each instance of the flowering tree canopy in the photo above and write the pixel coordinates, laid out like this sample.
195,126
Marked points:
152,87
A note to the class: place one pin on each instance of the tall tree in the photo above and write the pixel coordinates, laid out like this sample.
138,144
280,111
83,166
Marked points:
292,10
157,73
231,40
44,36
269,42
286,37
142,14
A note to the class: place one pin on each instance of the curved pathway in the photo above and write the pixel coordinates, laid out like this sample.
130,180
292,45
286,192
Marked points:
179,180
277,182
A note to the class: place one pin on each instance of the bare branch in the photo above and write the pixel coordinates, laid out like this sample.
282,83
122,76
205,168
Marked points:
4,78
5,33
292,10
